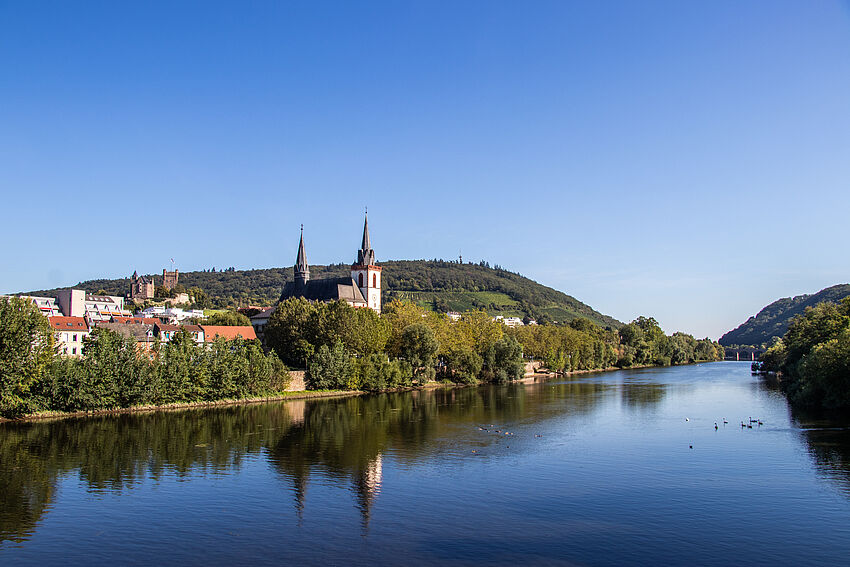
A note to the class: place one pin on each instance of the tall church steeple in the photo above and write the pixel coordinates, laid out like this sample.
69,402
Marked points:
366,256
365,273
302,270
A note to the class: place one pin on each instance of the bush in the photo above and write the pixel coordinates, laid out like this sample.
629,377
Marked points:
329,369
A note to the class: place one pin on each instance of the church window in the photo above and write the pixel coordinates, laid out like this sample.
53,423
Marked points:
374,280
360,280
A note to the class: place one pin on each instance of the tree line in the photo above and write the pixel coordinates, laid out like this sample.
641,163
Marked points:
813,358
343,347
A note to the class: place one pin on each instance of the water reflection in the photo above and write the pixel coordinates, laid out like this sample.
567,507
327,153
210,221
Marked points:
346,441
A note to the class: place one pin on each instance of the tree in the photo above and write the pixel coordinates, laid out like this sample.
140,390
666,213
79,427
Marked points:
162,292
200,299
462,364
503,360
329,369
228,318
26,351
419,347
289,331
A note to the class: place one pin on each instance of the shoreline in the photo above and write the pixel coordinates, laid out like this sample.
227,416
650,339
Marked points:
296,395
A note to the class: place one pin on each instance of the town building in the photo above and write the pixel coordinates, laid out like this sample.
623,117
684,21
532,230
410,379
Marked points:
212,332
361,289
509,321
142,333
165,332
260,320
141,287
171,314
196,331
69,333
47,305
95,308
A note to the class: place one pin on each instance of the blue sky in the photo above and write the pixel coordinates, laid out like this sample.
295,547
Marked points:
689,161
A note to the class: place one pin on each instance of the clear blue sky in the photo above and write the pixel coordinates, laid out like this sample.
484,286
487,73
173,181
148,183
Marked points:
685,160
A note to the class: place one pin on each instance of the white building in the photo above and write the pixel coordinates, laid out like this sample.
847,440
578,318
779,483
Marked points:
95,308
172,314
69,333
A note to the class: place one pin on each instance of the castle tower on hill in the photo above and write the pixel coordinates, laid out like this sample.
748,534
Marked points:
366,273
361,289
169,279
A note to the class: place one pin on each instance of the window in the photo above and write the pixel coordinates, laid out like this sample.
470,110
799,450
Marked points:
74,350
75,338
359,280
374,280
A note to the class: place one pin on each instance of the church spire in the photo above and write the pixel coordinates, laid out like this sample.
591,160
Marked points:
366,256
302,270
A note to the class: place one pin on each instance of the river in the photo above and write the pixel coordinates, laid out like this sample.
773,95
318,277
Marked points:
616,468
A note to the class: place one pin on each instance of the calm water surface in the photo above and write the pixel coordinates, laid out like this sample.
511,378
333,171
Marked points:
602,469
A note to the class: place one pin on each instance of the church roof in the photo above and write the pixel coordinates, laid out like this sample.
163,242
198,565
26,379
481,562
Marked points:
330,289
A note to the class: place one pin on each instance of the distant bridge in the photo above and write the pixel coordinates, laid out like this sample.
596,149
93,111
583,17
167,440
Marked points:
744,353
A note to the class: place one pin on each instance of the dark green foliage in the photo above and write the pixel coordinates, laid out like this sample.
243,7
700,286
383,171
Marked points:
289,331
375,373
503,361
814,358
200,299
26,352
462,364
330,368
774,320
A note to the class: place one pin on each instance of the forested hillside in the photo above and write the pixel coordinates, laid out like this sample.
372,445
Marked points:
434,284
774,320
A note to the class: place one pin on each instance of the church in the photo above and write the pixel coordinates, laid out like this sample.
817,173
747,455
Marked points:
361,289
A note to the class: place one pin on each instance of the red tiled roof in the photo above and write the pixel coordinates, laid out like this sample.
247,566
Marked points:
137,320
166,327
68,323
228,332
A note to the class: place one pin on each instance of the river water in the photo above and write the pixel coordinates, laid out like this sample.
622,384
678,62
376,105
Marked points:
617,468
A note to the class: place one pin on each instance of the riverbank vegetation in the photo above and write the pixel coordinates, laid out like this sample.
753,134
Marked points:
340,348
115,373
343,347
813,358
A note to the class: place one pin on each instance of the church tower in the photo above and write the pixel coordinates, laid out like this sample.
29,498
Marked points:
302,270
366,274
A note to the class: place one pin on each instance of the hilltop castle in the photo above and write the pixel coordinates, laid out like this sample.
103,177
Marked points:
362,289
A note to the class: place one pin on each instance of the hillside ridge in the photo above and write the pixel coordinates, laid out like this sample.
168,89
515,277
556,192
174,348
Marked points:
435,284
774,319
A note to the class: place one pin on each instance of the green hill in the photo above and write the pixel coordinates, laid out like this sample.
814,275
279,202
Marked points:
435,284
773,320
